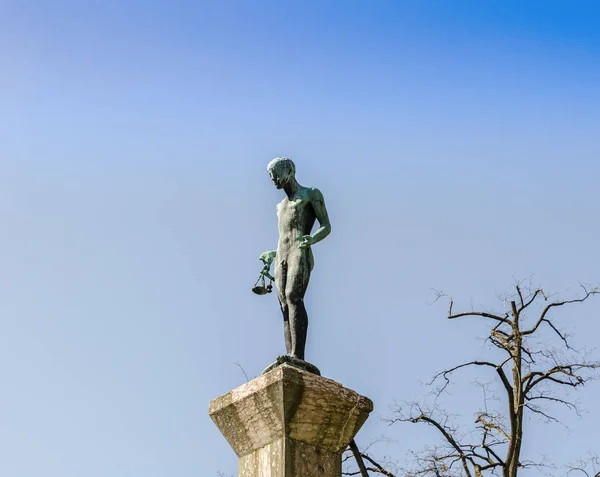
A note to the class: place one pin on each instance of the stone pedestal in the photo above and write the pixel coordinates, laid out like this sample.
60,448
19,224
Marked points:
290,423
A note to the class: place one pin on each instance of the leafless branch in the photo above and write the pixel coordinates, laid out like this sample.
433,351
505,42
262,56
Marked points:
588,467
496,367
542,317
378,468
242,369
568,375
359,459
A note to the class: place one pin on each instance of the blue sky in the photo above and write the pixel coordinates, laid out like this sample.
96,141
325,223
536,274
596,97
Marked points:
455,144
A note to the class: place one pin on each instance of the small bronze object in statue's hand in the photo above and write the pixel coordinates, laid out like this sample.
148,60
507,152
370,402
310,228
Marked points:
263,289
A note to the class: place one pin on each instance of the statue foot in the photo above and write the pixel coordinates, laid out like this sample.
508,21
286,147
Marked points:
293,361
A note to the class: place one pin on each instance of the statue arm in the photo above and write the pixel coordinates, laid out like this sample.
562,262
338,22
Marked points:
318,203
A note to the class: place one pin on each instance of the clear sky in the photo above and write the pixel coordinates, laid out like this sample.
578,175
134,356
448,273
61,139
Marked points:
455,142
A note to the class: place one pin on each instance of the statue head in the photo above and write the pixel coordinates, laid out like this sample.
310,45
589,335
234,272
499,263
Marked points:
281,170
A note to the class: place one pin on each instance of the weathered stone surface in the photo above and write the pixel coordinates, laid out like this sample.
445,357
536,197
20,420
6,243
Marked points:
267,461
304,460
288,457
290,423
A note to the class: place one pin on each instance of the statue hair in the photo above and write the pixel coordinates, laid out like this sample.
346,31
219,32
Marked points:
283,164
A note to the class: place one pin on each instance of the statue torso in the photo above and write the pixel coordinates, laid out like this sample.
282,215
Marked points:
296,218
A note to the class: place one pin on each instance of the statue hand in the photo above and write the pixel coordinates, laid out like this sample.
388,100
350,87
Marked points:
268,257
305,241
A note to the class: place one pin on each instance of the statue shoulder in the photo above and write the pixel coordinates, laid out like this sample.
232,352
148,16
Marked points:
315,194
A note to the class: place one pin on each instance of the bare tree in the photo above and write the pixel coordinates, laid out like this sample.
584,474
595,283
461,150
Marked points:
531,376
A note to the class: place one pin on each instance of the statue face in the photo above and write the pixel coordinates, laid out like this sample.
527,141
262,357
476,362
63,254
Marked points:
279,176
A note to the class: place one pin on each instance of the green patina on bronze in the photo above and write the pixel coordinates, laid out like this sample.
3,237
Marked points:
296,214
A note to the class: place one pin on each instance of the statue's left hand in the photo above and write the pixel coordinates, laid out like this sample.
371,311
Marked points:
305,241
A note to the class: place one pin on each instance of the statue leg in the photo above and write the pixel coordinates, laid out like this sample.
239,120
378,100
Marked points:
297,283
280,285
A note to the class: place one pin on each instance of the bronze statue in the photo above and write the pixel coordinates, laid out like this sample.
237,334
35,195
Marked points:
296,215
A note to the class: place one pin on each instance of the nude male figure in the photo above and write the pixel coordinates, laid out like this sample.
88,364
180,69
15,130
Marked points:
296,215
